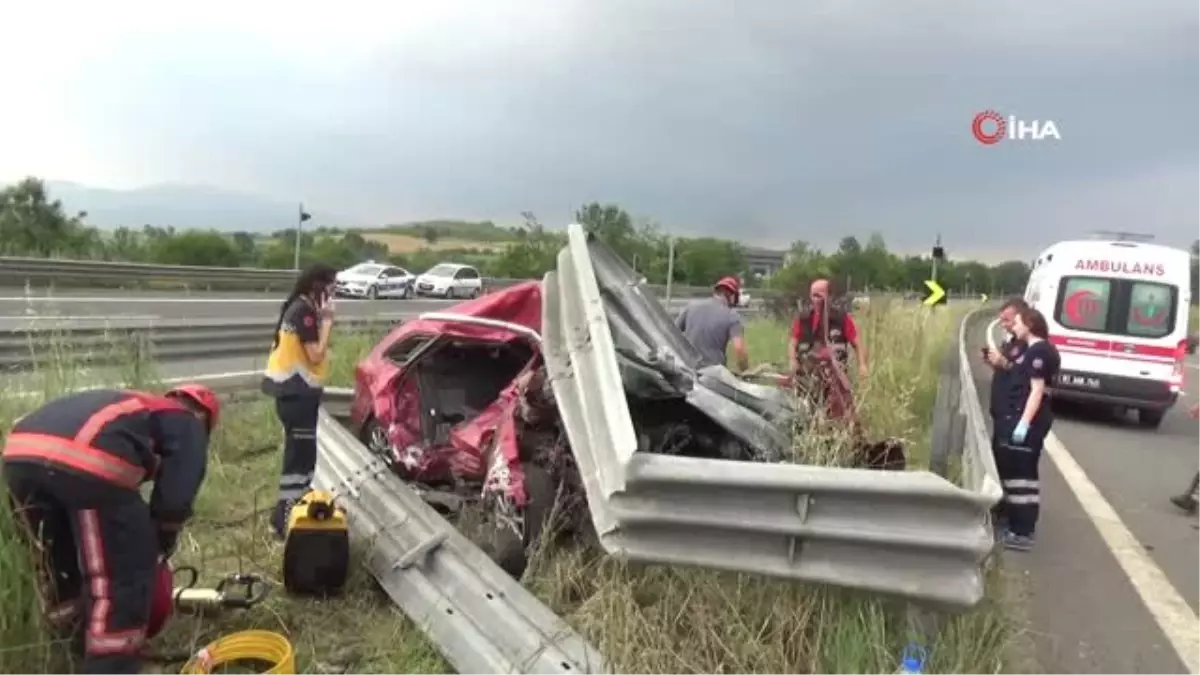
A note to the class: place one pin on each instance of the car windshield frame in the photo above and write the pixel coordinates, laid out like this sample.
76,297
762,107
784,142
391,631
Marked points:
442,271
364,269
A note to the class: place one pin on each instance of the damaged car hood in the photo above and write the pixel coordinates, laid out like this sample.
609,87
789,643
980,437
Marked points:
656,360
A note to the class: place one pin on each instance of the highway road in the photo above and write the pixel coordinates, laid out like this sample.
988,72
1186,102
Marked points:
107,308
1112,582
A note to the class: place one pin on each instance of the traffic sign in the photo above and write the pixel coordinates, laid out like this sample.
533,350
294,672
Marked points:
937,294
983,298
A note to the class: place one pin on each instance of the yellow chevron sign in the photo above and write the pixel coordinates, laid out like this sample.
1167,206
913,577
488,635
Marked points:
937,294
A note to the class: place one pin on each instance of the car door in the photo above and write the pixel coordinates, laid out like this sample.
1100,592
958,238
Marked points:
390,282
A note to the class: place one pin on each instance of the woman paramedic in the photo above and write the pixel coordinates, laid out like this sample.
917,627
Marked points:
1023,423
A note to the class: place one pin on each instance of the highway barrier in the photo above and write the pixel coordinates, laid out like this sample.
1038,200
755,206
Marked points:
25,349
45,272
480,618
912,534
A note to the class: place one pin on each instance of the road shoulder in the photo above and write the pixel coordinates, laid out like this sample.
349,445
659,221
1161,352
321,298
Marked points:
1083,614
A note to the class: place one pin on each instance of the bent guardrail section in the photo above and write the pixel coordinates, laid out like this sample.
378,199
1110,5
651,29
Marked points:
911,534
481,619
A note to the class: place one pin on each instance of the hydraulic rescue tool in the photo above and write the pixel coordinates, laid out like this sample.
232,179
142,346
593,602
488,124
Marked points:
235,591
316,548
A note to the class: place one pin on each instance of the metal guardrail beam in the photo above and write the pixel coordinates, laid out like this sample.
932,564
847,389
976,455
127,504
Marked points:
23,349
481,619
912,533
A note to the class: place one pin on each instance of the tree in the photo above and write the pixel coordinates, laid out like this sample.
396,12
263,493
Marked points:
431,235
32,225
612,225
195,247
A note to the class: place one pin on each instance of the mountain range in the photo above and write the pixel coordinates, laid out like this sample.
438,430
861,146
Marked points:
184,206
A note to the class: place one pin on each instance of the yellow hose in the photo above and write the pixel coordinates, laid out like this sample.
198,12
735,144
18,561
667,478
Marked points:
248,645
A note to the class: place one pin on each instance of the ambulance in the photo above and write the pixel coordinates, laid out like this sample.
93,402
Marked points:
1118,314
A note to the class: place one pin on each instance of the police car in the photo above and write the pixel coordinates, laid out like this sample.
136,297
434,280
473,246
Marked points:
1118,314
375,280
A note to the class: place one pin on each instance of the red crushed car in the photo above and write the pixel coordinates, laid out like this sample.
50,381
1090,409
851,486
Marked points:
459,405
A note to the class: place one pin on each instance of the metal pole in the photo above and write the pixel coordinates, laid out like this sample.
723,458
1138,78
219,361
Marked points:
933,276
670,266
299,224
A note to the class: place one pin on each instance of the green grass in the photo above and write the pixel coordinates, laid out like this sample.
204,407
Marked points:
644,618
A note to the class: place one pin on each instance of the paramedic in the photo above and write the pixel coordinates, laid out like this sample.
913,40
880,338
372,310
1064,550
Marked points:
294,374
712,324
1023,421
73,469
823,323
1189,500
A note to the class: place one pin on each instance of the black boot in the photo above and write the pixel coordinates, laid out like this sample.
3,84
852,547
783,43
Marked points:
1187,500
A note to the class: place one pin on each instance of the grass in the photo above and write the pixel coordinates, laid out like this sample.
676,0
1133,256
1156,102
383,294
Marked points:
644,618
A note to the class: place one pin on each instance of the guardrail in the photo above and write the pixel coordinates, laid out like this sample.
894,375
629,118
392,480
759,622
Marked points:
35,272
913,534
978,465
25,349
481,619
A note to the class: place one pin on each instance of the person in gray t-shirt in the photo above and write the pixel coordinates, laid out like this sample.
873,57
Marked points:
712,324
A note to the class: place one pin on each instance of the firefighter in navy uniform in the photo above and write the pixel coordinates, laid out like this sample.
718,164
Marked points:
74,468
1023,421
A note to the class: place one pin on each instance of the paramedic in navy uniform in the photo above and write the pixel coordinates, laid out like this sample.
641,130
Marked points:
1022,425
1002,360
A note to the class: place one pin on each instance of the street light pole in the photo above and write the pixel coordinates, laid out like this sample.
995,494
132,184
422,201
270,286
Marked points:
301,216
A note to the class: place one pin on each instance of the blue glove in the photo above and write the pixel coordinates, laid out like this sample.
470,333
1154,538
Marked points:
1019,433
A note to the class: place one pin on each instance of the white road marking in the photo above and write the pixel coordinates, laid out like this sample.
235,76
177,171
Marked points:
82,317
1170,611
124,300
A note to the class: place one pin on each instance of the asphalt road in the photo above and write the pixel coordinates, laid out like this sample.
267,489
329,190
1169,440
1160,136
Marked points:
1113,590
104,308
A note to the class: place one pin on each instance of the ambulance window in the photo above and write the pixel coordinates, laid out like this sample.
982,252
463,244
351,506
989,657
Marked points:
1083,303
1151,310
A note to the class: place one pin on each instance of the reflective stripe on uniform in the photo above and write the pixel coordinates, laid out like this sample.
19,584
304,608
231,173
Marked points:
99,640
1023,499
290,479
78,456
1021,484
102,417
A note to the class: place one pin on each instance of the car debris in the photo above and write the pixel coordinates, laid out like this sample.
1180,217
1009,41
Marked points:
459,404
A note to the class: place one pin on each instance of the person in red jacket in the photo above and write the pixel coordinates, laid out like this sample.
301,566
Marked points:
74,468
824,324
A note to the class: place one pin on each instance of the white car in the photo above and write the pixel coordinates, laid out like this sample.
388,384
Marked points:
375,280
450,280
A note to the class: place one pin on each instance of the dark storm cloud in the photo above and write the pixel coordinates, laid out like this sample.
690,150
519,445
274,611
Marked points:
774,119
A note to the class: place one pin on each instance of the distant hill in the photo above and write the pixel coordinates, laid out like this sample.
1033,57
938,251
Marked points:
463,230
184,207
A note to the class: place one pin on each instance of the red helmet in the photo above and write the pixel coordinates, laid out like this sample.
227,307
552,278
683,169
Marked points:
730,285
202,396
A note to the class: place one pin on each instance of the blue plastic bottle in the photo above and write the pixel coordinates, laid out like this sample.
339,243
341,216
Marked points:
912,659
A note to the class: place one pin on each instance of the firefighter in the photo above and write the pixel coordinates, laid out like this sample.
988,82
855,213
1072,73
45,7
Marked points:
1023,421
296,368
712,324
74,468
823,323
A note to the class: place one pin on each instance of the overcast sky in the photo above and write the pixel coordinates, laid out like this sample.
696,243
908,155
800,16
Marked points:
771,119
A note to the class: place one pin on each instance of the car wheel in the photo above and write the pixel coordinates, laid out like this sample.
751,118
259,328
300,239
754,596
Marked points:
475,293
374,436
510,552
1149,418
372,293
407,294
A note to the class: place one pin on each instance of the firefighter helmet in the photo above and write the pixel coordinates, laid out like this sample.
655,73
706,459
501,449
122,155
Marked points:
729,285
202,396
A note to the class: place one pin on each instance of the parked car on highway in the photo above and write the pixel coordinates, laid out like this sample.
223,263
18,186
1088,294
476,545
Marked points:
460,405
373,280
450,280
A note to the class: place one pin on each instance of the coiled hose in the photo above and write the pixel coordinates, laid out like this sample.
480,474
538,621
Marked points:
247,645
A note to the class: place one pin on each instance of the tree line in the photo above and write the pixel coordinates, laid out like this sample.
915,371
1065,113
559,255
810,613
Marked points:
31,224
